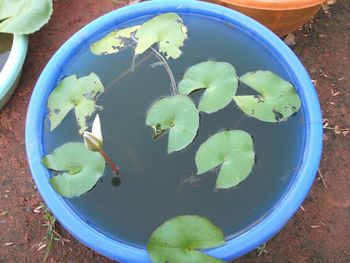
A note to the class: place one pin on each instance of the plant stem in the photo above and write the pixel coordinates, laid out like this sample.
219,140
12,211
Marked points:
167,67
238,122
129,70
109,161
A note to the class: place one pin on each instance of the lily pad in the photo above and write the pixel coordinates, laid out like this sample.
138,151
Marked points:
167,29
177,113
219,80
113,42
24,16
75,93
233,150
277,99
178,238
78,169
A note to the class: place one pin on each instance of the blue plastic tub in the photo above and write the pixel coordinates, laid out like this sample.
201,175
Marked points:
236,246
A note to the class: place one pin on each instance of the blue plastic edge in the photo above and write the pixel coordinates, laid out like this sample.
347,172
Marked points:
235,247
9,84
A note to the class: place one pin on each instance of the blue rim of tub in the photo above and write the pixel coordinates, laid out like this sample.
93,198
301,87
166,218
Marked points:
11,72
235,247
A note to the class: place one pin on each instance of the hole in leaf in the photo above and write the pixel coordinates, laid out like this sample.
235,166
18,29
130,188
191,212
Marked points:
278,115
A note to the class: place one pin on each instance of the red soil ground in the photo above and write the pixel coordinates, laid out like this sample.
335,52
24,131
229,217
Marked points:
318,233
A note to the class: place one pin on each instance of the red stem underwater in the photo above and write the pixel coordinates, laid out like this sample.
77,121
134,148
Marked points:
109,161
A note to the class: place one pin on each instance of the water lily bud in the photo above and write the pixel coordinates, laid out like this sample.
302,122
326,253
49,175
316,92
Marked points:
93,140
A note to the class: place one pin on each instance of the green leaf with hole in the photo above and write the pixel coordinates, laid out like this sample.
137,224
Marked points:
24,16
277,99
75,93
219,80
179,115
167,29
113,42
78,169
177,240
233,150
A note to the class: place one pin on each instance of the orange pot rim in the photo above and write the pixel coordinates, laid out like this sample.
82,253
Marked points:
275,4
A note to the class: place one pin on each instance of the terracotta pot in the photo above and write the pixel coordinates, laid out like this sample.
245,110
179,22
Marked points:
281,16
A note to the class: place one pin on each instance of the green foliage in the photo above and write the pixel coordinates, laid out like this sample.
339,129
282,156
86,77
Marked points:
113,42
177,113
75,93
219,80
178,238
78,169
167,29
24,16
231,149
277,99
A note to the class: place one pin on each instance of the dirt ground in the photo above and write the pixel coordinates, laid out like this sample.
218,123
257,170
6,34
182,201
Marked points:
319,232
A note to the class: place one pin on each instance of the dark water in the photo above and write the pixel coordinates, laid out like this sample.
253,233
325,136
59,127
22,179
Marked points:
157,186
5,47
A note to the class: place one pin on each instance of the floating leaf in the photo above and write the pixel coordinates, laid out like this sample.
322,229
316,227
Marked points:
277,99
24,16
93,140
167,29
177,113
219,80
79,169
177,239
234,150
75,93
113,42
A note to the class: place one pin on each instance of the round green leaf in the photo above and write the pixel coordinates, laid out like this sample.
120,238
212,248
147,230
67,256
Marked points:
176,240
75,93
167,29
177,113
277,99
113,42
79,169
219,80
231,149
24,16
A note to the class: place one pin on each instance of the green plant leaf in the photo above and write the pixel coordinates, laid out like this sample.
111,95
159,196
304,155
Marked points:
277,99
177,239
231,149
219,80
177,113
113,42
75,93
24,16
167,29
79,169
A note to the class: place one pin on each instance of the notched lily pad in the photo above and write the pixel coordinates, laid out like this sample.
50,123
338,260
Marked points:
78,169
167,29
75,93
113,42
24,16
233,150
277,99
219,80
178,238
179,115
